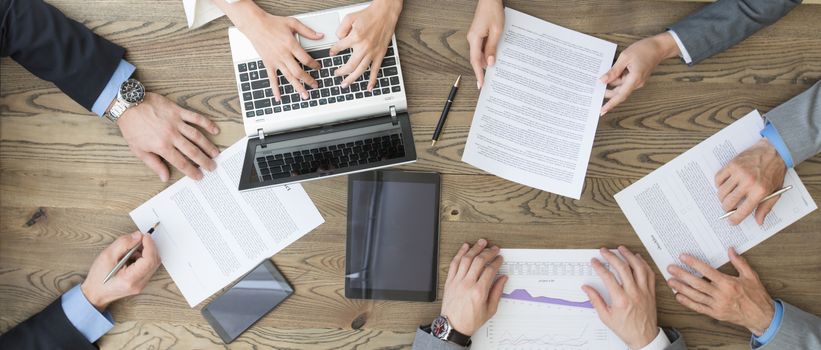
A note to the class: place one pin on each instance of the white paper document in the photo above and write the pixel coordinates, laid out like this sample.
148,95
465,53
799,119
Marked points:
543,305
675,208
538,110
210,234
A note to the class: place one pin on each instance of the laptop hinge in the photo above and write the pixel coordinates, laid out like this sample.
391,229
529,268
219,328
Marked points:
261,134
394,121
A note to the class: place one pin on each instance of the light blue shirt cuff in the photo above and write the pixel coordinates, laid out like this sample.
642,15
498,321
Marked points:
684,54
121,74
773,328
84,316
775,139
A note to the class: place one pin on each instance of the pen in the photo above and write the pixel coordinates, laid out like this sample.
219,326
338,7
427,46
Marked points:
128,255
445,111
776,193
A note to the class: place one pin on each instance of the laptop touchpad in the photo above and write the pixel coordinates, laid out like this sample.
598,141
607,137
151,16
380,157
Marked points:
326,23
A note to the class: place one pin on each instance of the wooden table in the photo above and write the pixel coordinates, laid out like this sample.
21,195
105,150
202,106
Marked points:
56,156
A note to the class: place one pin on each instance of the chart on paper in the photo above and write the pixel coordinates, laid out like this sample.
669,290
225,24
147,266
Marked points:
543,306
570,332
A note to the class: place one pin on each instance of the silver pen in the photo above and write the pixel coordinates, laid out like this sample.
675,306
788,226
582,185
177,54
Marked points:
773,195
128,255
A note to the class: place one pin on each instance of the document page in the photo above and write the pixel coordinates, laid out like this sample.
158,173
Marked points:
537,113
543,305
675,209
210,234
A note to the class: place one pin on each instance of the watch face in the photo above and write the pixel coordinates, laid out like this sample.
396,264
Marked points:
440,327
132,91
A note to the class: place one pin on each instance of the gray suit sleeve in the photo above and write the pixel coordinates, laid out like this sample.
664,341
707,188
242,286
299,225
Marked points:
426,341
798,330
675,338
798,122
722,24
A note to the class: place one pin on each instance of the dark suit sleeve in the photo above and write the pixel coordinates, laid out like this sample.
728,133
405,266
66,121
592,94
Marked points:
57,49
722,24
49,329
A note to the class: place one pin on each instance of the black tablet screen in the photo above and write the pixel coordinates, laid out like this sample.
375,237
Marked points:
393,235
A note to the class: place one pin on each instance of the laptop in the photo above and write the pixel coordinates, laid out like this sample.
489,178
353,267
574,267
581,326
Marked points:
336,131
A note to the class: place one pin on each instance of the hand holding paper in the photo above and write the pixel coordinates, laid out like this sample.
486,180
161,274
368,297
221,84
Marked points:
539,108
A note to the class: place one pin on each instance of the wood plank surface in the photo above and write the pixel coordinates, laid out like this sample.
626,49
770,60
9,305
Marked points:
56,156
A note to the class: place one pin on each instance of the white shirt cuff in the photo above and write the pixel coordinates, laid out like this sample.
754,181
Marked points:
684,54
660,343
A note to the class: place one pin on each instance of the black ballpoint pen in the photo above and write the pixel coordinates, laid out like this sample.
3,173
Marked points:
445,111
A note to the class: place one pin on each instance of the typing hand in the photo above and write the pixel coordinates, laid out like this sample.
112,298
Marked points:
741,300
367,33
632,313
634,66
130,280
749,177
158,128
472,291
273,38
484,35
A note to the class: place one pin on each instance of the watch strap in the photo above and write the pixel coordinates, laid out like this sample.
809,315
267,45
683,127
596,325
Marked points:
116,110
458,338
454,336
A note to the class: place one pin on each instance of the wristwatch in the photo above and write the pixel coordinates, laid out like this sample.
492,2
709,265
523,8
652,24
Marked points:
440,328
130,94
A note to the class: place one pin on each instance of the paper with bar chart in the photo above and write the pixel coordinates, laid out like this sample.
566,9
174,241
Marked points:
543,306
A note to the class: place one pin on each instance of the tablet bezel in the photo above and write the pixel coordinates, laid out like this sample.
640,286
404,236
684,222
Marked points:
352,292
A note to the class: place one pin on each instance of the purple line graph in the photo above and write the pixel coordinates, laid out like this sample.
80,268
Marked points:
524,295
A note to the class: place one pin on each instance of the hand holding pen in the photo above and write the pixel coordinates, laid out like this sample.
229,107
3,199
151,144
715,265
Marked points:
771,196
130,279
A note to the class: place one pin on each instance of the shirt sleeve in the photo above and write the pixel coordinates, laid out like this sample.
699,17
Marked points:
122,73
684,54
84,316
772,328
659,343
775,139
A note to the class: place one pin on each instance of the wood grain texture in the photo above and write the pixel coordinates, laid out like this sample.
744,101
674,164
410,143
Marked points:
56,156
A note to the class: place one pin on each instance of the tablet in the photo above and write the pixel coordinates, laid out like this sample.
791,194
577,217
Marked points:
392,249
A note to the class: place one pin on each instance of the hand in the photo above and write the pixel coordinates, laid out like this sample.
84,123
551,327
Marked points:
158,128
748,178
634,66
130,280
273,38
367,33
472,291
632,313
484,35
741,300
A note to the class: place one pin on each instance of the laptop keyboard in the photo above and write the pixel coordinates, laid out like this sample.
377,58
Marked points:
310,160
257,94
